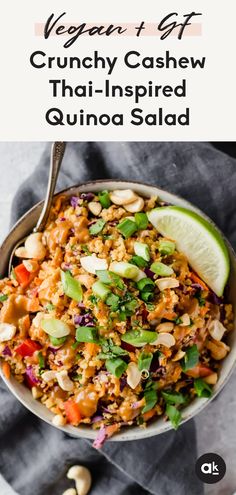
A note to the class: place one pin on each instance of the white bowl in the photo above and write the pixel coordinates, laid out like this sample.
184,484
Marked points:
25,225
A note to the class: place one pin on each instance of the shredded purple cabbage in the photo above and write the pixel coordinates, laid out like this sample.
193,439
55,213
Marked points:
31,379
84,320
81,305
101,438
149,273
74,201
53,349
67,266
215,299
62,219
87,196
95,419
123,383
7,351
197,286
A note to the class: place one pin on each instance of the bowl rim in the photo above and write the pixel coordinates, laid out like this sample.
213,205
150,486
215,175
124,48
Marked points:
128,434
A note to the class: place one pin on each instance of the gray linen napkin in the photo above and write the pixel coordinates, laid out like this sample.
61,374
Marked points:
34,456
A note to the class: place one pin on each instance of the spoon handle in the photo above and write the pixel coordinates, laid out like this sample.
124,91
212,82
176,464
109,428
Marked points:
58,150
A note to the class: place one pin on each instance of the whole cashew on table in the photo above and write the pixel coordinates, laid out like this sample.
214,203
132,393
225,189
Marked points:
82,477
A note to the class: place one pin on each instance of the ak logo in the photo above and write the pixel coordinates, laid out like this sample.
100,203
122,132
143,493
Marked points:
210,468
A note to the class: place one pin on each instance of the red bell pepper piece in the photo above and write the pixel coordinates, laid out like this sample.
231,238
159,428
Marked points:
22,275
72,412
27,348
199,371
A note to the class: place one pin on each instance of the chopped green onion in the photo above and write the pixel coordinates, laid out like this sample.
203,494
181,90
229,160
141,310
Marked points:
56,342
139,338
174,415
77,377
85,249
55,328
161,269
202,388
201,300
78,355
100,290
142,249
93,299
150,397
124,269
173,397
41,361
104,199
116,367
178,320
71,287
50,307
166,247
3,297
138,261
144,361
191,358
146,296
146,284
113,300
141,220
127,227
97,227
87,334
110,278
75,345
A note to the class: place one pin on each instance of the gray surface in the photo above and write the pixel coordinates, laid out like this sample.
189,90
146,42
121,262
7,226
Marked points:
216,426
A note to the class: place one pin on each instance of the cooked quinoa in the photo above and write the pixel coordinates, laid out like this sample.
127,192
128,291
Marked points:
105,321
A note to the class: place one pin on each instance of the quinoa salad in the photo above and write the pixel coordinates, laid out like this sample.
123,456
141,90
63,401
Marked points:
104,320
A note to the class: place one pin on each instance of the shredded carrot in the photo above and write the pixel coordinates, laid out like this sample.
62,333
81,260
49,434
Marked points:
204,310
6,370
149,414
110,430
91,348
171,315
199,281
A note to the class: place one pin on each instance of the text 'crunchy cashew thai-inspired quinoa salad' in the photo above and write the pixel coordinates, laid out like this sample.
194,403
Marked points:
106,321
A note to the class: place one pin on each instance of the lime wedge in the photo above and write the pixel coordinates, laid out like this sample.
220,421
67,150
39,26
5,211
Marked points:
199,240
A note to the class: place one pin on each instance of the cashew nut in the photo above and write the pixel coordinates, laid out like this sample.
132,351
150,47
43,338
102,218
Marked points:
133,375
165,339
33,248
185,320
167,283
211,379
216,329
70,491
31,265
59,420
64,381
179,355
123,196
135,206
7,331
82,478
218,349
36,393
166,327
48,376
95,207
93,263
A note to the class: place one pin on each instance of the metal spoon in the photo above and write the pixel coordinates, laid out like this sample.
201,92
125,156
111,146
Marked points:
57,153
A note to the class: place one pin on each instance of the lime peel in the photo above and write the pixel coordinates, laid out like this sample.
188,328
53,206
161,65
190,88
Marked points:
198,240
